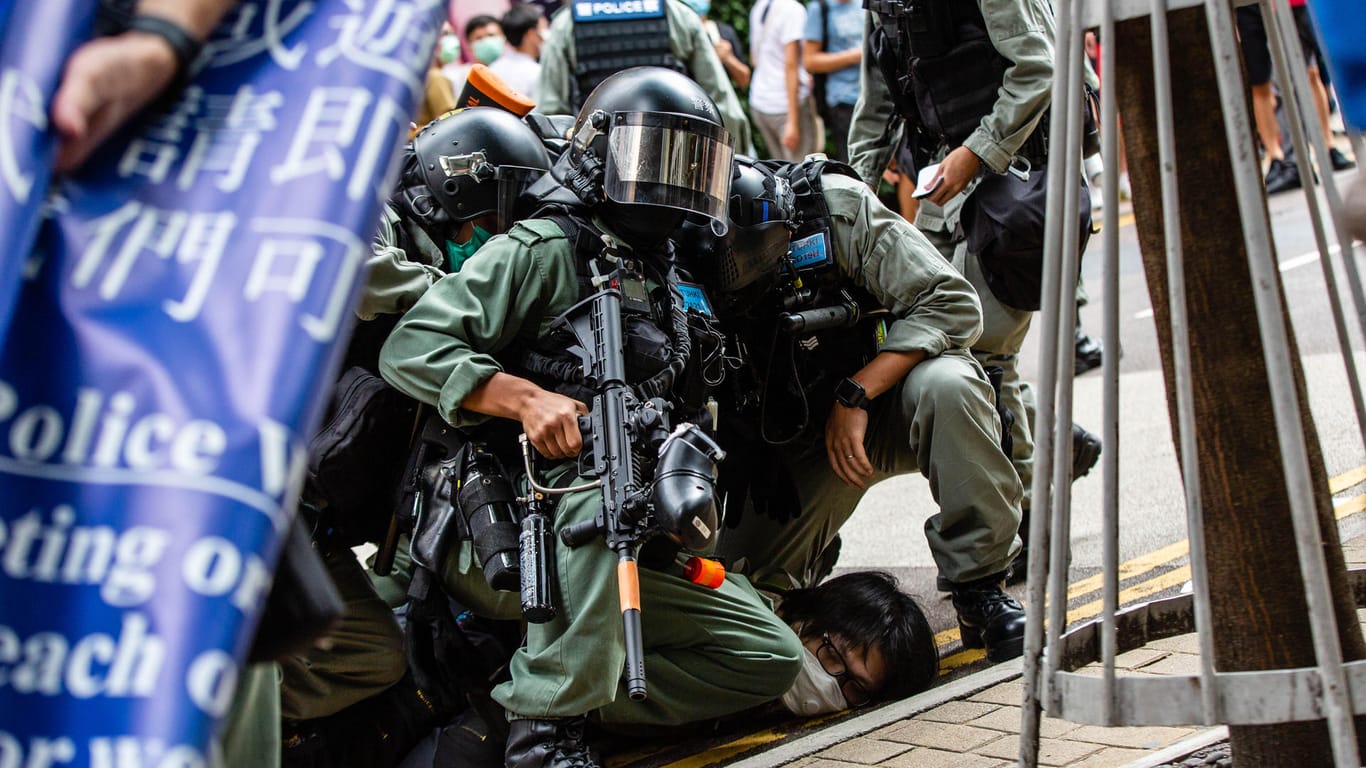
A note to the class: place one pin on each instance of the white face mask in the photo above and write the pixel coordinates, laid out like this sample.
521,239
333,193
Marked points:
815,692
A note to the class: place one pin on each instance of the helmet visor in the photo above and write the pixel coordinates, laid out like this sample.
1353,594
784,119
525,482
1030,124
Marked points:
513,182
676,161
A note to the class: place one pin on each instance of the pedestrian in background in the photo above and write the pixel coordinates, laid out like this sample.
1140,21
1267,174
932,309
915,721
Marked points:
780,90
525,27
831,53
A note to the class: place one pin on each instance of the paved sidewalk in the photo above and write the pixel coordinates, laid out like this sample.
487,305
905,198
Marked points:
974,722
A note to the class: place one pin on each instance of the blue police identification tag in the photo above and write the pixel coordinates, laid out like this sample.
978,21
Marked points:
811,251
614,10
695,298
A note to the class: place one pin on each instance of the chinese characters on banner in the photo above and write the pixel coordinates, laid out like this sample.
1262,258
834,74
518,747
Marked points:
182,310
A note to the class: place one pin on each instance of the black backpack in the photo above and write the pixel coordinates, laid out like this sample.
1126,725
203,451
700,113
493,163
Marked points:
356,461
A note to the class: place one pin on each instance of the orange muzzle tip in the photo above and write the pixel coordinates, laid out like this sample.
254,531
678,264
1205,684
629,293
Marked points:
704,572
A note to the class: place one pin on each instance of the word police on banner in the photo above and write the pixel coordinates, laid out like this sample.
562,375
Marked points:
184,306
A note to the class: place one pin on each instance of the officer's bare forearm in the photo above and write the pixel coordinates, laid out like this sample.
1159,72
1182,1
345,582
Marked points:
549,419
886,369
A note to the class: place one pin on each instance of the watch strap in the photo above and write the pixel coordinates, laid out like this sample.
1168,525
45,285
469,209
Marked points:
185,46
851,394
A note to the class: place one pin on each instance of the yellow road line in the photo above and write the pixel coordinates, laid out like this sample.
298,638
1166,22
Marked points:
1347,480
1160,557
1349,507
961,659
1127,570
727,750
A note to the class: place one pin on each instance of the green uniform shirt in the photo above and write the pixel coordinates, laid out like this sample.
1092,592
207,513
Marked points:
395,278
1022,32
934,306
511,288
690,45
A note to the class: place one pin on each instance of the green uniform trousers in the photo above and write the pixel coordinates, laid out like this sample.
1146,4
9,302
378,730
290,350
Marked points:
708,653
941,421
365,656
250,735
1003,330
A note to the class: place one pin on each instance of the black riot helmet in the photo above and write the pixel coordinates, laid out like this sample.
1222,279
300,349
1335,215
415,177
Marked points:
744,263
649,137
470,163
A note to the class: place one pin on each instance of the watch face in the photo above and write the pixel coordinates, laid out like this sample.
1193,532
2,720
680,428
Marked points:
850,393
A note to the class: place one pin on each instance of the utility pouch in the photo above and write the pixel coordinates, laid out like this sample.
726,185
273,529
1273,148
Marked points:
929,26
438,523
434,520
895,74
303,603
1003,220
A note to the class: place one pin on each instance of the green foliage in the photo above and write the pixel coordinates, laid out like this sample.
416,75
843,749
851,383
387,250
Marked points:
734,13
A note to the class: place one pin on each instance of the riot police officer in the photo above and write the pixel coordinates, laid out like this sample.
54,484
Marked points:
969,84
460,181
859,345
647,149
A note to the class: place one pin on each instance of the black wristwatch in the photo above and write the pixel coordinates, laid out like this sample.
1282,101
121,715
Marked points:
851,394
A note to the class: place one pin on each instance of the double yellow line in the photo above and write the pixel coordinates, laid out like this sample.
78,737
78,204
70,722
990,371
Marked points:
1137,567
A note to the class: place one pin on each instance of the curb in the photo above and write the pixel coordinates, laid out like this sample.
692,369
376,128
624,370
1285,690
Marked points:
892,713
1181,748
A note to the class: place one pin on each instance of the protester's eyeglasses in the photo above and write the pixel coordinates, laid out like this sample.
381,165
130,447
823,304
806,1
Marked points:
832,661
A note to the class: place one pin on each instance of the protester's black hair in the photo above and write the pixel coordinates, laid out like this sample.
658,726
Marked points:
519,20
479,22
868,611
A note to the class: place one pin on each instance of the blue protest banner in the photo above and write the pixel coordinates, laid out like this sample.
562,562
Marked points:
30,66
167,360
1342,27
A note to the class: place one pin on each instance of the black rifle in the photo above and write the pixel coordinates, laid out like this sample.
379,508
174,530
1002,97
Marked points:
651,478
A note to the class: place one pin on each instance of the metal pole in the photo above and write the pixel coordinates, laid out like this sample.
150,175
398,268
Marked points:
1043,437
1265,279
1061,427
1109,150
1294,89
1181,357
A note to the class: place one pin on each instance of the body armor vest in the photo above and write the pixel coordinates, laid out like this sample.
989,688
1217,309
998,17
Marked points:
798,369
670,352
612,35
939,64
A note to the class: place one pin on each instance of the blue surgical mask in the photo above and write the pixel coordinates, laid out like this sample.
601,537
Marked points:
486,49
458,253
701,6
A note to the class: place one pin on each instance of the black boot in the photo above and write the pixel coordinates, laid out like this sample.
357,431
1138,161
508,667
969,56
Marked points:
989,618
1085,451
548,744
1088,353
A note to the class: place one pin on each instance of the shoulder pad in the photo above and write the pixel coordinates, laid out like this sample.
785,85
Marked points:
533,231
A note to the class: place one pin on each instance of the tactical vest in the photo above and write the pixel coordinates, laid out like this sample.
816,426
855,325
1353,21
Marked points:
797,371
939,64
670,352
612,35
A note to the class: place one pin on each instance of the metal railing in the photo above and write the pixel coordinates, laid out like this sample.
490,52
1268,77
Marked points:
1333,690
